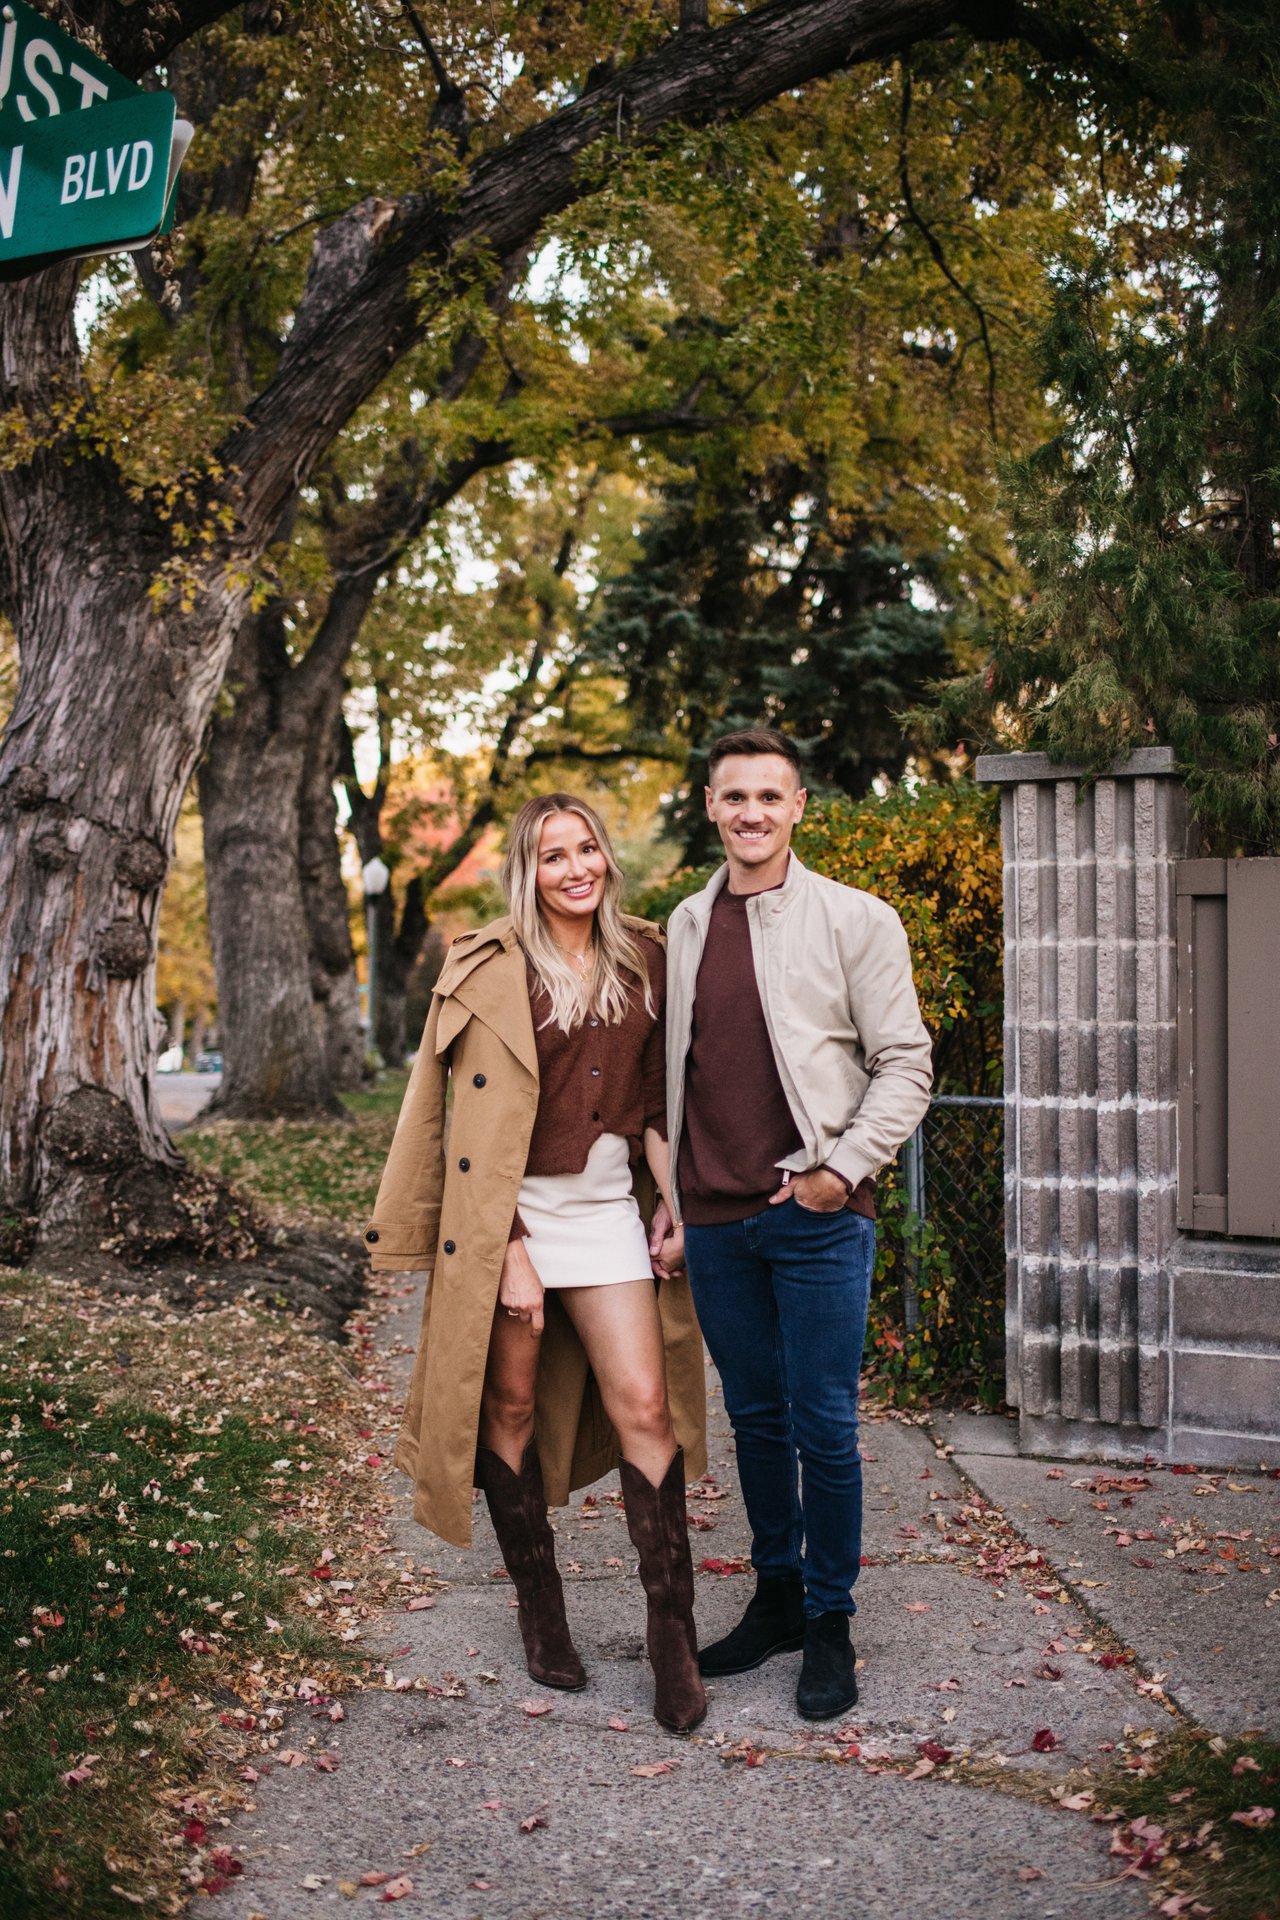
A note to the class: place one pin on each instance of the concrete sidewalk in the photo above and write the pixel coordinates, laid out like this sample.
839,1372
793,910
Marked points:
978,1628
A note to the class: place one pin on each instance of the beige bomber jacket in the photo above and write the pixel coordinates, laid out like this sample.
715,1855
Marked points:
834,972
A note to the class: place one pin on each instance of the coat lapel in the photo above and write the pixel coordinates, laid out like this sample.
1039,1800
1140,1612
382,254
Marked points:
488,980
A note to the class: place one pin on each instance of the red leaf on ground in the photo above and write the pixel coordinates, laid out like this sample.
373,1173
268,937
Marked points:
1110,1660
1031,1873
722,1566
531,1822
481,1886
535,1708
619,1726
1254,1817
654,1768
225,1863
77,1775
194,1833
1046,1672
918,1606
397,1889
932,1751
421,1602
374,1879
1044,1741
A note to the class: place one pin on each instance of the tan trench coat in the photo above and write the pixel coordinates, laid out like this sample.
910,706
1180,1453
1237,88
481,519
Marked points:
447,1205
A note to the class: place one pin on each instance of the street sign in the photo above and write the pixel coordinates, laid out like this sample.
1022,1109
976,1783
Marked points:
88,159
87,181
44,72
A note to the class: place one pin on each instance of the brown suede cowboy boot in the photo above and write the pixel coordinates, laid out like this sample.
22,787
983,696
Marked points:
660,1534
518,1509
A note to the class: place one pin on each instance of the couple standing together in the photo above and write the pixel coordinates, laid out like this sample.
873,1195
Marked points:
743,1084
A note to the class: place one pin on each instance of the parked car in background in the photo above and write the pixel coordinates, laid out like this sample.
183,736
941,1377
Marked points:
170,1061
210,1062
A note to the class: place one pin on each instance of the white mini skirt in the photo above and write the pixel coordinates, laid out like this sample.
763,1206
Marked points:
584,1229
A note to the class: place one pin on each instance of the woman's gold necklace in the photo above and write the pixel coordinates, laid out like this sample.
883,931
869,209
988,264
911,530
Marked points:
580,960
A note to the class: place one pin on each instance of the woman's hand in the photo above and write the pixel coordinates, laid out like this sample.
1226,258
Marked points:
520,1291
670,1257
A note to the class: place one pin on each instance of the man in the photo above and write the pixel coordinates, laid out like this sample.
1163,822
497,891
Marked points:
797,1065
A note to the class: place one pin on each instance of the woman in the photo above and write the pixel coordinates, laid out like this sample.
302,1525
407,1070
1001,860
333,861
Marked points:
546,1349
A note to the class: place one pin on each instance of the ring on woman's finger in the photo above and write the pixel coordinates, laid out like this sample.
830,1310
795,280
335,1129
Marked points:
513,1313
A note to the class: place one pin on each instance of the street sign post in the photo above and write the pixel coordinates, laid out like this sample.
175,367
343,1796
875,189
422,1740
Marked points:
88,159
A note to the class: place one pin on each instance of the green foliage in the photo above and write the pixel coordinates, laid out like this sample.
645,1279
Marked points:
769,606
933,852
1149,521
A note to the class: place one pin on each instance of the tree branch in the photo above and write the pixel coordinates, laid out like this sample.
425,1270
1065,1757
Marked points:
363,307
935,248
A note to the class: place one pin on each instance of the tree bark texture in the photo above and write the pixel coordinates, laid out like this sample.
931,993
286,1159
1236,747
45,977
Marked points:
274,1060
334,987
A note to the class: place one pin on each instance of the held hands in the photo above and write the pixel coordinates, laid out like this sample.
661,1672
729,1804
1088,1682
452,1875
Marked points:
520,1290
820,1191
666,1244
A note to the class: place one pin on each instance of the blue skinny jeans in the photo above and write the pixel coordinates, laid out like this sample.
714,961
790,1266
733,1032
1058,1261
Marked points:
782,1302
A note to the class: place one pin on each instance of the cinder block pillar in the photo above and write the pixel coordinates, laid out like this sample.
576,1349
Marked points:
1091,1090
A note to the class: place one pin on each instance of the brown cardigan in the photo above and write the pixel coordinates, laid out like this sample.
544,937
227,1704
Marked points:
599,1078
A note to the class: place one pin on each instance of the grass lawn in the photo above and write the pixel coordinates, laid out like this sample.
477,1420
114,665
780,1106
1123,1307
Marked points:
304,1174
1206,1821
190,1536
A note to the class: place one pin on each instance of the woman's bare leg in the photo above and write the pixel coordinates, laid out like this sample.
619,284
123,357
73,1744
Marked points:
510,1382
620,1328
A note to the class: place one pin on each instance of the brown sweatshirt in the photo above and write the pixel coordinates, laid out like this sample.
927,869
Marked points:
738,1124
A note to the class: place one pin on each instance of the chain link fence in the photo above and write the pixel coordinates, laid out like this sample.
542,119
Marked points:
941,1261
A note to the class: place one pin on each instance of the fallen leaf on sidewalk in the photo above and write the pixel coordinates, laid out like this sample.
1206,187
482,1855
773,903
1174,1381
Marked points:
398,1888
535,1708
415,1853
374,1879
531,1822
481,1886
421,1602
932,1751
917,1606
653,1768
921,1769
1032,1873
722,1566
617,1725
1044,1740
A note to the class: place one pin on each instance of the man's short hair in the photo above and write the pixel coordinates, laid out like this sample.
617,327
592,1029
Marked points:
754,740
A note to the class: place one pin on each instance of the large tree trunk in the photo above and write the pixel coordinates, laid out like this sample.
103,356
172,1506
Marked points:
273,1052
111,706
334,986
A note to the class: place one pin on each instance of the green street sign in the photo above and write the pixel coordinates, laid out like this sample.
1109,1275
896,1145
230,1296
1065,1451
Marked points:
44,72
87,182
88,159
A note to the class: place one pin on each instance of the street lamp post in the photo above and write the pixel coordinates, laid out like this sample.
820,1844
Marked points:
376,875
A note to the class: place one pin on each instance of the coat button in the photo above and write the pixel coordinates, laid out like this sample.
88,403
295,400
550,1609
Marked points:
595,1073
451,1246
372,1235
595,1116
465,1164
478,1080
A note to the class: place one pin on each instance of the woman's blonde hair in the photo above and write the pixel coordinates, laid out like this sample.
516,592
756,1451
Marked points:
617,952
